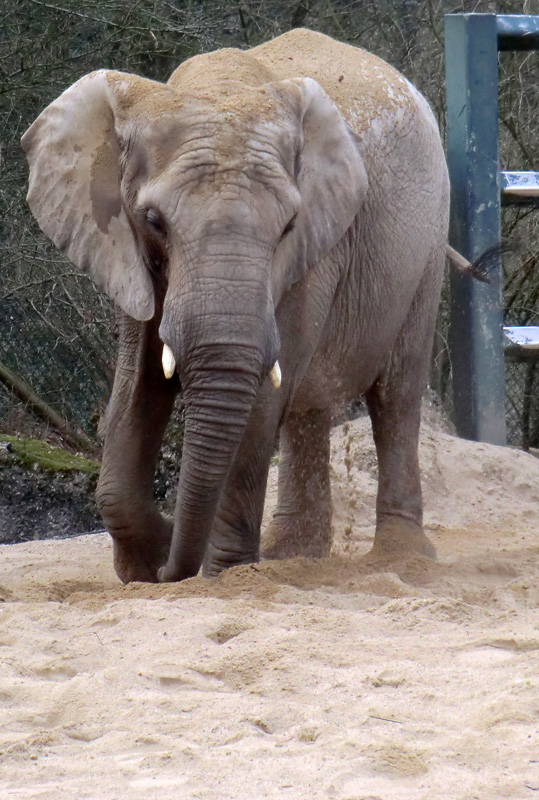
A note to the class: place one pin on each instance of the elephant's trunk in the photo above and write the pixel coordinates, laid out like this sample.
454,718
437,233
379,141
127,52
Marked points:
223,356
218,401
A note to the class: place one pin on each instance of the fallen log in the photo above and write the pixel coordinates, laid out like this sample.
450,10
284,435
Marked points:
45,411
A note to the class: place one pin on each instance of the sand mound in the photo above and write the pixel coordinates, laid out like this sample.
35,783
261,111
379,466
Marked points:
340,679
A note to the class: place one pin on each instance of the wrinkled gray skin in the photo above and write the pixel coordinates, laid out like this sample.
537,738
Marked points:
289,202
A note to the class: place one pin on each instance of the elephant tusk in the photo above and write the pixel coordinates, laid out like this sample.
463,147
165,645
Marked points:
275,375
168,361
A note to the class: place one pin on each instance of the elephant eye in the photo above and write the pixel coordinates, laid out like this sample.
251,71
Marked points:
289,226
155,242
155,221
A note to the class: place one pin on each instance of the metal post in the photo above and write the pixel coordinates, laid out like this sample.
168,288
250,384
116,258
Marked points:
476,337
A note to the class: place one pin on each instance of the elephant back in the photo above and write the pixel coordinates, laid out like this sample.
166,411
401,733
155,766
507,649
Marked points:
365,88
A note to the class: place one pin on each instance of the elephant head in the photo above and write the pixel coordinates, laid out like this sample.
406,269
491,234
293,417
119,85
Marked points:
201,211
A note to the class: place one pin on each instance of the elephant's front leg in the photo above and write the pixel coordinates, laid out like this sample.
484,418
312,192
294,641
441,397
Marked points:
301,524
140,406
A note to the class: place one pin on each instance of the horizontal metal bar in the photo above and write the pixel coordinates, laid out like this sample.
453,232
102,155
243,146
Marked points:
524,184
521,343
519,188
517,31
526,336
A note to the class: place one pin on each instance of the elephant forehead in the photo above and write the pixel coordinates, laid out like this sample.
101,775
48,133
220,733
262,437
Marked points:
230,124
215,150
235,117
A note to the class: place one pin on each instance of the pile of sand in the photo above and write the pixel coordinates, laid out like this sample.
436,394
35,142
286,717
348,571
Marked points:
337,679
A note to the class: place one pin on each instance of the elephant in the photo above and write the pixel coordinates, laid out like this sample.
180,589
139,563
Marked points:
272,226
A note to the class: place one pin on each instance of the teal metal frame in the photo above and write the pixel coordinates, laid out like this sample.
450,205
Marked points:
478,188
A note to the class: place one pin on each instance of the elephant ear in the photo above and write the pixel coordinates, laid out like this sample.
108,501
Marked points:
331,179
73,149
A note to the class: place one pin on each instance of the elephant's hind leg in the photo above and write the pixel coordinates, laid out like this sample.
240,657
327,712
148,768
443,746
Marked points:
301,524
394,404
399,514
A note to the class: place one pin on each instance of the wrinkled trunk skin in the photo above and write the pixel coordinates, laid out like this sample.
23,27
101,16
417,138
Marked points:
218,403
224,336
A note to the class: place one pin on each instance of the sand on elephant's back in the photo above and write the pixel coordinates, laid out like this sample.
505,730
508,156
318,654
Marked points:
361,84
341,678
348,74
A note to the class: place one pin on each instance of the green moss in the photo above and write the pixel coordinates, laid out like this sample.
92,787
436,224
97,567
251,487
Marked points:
34,452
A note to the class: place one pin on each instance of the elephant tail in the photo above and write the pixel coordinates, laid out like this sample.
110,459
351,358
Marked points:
481,268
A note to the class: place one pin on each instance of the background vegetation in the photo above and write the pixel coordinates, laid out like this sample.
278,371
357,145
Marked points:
56,331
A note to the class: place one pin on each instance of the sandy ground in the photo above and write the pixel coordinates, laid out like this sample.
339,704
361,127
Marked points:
341,679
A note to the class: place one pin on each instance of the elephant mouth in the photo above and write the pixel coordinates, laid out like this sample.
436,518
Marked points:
169,367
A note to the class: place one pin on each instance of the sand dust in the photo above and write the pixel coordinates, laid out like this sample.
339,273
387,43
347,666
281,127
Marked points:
339,679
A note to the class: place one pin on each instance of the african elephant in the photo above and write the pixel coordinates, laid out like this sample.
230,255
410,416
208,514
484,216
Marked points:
274,222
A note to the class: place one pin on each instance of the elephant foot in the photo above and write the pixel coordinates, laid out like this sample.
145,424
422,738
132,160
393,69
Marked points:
138,559
396,538
288,536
